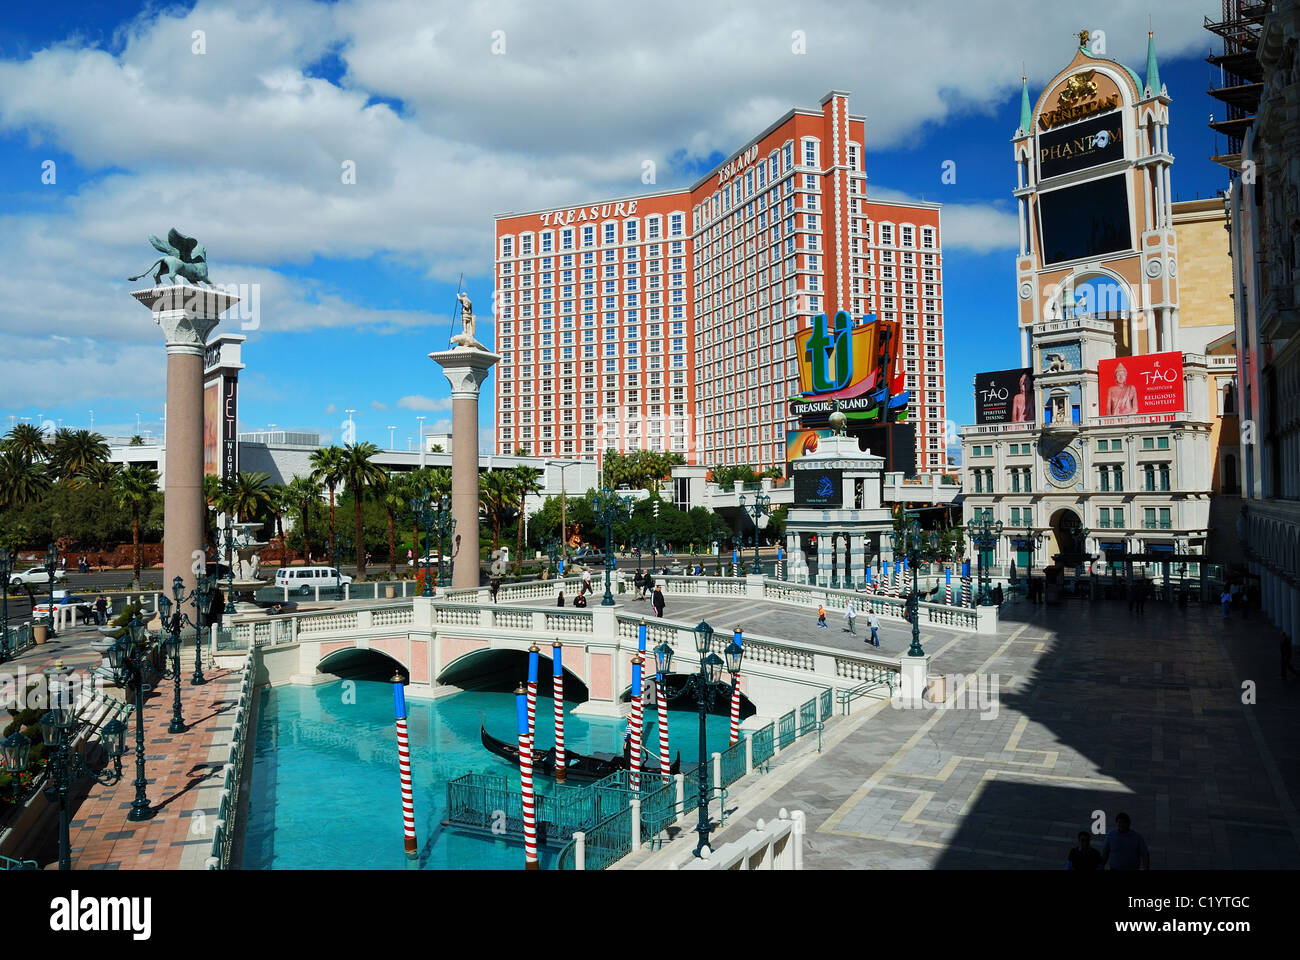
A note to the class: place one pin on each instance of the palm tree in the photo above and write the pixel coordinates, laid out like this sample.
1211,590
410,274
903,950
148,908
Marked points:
100,474
496,495
394,493
327,469
136,441
247,495
134,487
359,471
525,482
27,440
21,480
301,493
277,501
75,450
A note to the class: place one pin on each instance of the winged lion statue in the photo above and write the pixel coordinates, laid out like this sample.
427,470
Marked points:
183,259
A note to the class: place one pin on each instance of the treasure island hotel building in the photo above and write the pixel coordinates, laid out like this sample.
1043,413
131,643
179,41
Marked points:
665,321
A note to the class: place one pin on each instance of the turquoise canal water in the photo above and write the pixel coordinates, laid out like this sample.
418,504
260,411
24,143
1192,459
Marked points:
325,792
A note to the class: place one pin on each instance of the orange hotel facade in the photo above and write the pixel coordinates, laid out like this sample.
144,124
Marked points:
665,321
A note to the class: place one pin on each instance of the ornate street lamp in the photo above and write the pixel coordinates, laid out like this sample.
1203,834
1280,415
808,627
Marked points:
608,510
761,507
708,689
201,597
984,534
1092,580
917,545
422,508
6,571
444,525
51,561
59,729
129,658
171,644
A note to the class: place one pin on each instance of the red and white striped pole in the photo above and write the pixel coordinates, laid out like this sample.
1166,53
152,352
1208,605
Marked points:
557,692
737,636
634,758
661,702
526,779
404,768
533,650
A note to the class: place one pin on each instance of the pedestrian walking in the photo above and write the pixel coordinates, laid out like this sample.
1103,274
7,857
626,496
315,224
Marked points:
1225,599
559,599
821,617
108,601
1083,856
873,622
586,580
658,602
851,615
1125,849
101,610
649,584
639,582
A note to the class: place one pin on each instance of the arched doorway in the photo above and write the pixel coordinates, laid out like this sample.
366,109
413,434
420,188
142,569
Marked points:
1066,534
1101,295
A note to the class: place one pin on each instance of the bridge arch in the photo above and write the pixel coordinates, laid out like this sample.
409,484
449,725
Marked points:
490,668
353,662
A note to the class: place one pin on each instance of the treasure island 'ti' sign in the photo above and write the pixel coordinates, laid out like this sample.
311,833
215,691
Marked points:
841,360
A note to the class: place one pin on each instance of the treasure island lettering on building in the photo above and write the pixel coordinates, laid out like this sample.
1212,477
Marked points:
667,321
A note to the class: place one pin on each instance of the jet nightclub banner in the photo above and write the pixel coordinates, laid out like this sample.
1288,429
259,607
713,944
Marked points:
1152,383
1004,396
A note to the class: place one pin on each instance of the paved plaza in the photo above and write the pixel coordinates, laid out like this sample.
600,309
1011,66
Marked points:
183,771
1095,710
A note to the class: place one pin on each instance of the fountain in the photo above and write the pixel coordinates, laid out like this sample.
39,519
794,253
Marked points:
243,547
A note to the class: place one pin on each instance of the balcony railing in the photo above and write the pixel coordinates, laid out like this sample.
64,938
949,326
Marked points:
1157,525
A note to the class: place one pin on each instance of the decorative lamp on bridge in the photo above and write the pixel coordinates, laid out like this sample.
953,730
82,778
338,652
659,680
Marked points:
703,637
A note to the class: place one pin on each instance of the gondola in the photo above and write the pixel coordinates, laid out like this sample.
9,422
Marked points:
578,767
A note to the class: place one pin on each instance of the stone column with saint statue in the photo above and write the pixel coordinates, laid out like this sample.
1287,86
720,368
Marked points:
187,314
466,365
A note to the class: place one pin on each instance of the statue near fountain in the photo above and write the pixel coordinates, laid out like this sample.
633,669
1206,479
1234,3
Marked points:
244,548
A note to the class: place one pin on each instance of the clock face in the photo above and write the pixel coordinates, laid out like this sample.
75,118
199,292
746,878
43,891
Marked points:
1062,466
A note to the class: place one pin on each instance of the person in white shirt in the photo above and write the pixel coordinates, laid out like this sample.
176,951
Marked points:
851,615
586,580
873,622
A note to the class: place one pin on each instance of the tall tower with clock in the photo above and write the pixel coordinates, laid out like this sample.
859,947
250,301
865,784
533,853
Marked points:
1088,450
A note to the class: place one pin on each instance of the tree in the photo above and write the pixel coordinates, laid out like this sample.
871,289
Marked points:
278,502
99,475
136,441
22,480
327,469
134,488
526,482
395,493
496,497
725,476
247,495
436,448
73,451
359,471
26,440
302,494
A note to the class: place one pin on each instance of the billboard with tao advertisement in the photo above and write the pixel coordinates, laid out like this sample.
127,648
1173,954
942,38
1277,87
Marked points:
1151,383
1005,396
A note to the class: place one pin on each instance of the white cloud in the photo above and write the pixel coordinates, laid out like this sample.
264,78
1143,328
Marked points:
975,227
376,405
417,402
244,150
331,409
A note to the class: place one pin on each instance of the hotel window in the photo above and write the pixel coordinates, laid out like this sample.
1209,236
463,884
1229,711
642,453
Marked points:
548,240
630,231
566,239
853,156
677,224
886,234
507,246
906,238
526,244
810,152
588,238
611,233
787,156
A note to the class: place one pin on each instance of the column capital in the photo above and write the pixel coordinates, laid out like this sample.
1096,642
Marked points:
186,314
465,369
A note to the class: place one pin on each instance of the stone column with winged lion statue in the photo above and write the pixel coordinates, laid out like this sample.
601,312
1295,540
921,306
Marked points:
186,309
466,366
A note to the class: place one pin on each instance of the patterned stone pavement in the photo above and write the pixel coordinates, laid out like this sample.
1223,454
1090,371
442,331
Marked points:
183,771
1095,710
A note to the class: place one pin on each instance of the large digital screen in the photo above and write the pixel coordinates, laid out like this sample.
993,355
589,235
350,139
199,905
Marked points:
1087,220
212,429
1005,396
1151,383
818,488
1081,145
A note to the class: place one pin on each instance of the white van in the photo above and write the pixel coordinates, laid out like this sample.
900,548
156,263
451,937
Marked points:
304,580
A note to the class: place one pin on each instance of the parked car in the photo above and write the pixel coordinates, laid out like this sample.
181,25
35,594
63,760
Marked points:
305,579
85,605
34,575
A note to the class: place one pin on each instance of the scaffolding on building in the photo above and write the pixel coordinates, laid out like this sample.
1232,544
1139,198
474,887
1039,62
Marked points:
1240,75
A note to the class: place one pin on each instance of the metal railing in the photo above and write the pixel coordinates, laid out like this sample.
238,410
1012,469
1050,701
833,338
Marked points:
16,640
228,809
9,863
883,678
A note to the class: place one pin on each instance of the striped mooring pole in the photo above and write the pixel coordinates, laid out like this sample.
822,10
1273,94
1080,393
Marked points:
947,578
661,706
738,637
634,757
885,578
557,676
526,779
404,768
533,650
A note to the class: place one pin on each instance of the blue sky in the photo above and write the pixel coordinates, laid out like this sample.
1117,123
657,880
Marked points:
242,144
